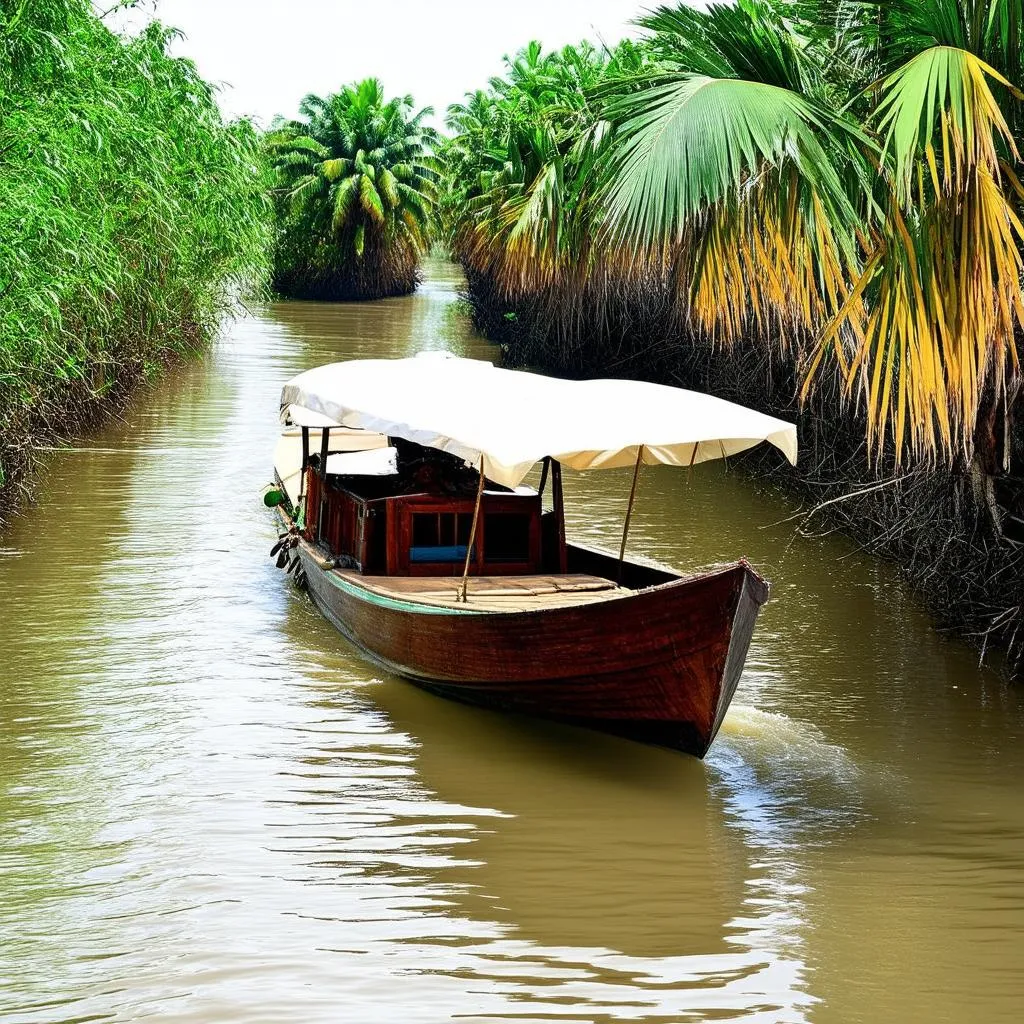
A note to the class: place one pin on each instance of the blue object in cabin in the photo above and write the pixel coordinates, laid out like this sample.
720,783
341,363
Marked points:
447,553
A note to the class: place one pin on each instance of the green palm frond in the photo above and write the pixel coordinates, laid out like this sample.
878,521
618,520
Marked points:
685,146
287,142
286,163
370,200
940,102
389,187
344,197
746,41
304,190
335,168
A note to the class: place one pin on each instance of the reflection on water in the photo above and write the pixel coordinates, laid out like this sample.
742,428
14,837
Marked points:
212,810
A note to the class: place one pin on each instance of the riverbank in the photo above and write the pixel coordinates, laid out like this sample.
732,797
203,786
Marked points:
957,536
131,214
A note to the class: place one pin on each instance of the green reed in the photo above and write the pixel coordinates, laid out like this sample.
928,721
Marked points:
131,216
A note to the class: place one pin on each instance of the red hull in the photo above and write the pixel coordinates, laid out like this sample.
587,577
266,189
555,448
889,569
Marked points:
659,665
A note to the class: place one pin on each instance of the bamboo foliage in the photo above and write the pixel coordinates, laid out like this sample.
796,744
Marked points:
131,214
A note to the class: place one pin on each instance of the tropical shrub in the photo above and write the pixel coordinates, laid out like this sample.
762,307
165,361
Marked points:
131,215
784,200
859,179
520,195
839,179
354,194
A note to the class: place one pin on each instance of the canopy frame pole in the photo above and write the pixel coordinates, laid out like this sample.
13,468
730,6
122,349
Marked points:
558,505
325,444
544,467
629,512
464,596
300,513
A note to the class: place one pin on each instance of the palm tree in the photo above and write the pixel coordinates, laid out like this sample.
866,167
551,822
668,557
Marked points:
851,169
355,194
520,162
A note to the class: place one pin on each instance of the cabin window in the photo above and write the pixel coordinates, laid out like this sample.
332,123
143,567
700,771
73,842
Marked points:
439,536
506,537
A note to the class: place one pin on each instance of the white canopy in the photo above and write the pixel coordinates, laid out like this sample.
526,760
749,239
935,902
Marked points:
296,416
513,419
344,445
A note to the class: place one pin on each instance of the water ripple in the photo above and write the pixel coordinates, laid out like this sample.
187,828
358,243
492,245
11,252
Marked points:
213,810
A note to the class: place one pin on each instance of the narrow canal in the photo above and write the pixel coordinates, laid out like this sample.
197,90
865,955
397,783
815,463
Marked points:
211,809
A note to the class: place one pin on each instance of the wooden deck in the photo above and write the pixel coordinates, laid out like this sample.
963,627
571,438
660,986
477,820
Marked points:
493,593
658,662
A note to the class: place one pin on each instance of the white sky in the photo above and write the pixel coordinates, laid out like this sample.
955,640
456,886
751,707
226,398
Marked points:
270,53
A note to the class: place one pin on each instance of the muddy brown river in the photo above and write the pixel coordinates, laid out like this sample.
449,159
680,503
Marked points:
213,810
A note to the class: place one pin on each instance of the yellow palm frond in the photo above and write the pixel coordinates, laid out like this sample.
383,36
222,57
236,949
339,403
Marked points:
935,310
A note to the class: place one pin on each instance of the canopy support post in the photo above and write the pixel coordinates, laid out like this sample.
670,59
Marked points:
558,503
300,511
629,511
325,444
544,467
464,596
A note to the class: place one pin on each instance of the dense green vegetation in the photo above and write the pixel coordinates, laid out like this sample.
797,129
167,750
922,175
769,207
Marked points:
131,215
355,194
812,207
781,199
843,177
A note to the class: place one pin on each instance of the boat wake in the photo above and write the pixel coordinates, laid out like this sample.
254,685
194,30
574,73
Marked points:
779,735
782,781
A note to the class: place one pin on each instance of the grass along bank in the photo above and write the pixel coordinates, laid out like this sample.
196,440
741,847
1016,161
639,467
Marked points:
131,216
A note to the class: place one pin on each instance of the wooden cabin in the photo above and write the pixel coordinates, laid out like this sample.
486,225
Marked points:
417,520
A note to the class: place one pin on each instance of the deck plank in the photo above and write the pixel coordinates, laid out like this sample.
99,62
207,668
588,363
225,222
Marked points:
493,593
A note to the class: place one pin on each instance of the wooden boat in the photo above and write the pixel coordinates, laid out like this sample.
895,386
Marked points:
459,580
